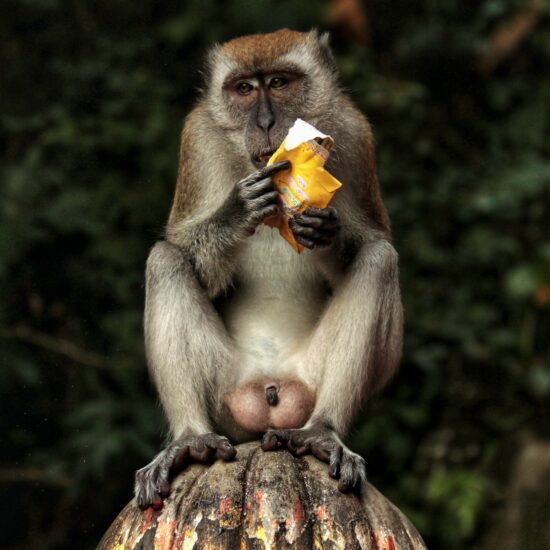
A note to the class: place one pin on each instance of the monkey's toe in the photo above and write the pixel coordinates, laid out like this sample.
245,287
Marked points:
221,446
292,439
352,472
152,485
272,439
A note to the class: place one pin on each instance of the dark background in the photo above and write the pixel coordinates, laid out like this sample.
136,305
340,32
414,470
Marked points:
93,94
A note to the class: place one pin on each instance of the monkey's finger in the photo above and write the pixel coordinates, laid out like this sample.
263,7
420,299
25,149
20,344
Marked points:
334,470
329,213
274,439
143,496
269,441
266,172
301,451
318,242
202,454
264,200
318,452
265,212
146,489
352,472
310,232
226,454
180,458
149,500
224,449
321,224
335,462
308,243
258,188
292,447
272,169
164,488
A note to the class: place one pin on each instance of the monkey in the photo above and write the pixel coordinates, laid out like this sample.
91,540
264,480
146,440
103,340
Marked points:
244,337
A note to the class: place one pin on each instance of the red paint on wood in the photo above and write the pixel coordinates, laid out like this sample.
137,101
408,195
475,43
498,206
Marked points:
321,513
226,505
298,513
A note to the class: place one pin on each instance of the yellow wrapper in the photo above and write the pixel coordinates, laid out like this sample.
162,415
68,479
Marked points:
305,184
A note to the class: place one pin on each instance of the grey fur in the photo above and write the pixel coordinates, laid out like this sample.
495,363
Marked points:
346,343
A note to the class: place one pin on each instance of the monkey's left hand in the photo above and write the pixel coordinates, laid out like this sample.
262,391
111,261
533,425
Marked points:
315,227
323,443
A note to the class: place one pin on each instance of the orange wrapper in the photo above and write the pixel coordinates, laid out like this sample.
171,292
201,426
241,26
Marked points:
306,183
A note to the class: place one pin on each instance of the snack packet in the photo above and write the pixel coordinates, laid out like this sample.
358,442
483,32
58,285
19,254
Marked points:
306,183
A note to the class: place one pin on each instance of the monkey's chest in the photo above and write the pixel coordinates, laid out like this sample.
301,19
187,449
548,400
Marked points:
277,300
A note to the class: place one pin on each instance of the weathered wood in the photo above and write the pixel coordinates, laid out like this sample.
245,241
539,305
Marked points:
263,500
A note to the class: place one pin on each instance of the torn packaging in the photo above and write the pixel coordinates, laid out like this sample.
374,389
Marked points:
306,183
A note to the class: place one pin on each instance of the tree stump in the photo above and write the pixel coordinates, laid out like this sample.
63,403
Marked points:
263,500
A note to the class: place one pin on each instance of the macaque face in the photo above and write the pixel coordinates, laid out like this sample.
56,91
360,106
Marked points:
267,104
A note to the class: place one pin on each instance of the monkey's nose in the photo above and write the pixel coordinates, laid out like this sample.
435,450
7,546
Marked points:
264,116
266,122
272,395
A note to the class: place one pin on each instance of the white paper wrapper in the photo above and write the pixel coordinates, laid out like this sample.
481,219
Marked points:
302,131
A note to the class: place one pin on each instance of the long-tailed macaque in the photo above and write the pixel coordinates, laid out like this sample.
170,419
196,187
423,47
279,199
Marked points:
244,337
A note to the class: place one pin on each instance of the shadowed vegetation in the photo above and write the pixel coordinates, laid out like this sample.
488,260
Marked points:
93,97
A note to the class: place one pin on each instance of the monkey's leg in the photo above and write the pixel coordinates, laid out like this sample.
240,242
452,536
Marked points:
188,351
355,349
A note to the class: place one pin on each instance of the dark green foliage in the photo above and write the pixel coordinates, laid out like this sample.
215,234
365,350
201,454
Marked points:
93,95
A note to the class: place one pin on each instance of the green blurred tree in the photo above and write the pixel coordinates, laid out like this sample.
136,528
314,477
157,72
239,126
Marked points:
93,95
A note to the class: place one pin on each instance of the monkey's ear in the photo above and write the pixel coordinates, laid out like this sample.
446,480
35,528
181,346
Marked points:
324,40
216,66
210,60
323,45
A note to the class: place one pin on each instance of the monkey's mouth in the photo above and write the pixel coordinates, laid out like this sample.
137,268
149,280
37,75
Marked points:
260,159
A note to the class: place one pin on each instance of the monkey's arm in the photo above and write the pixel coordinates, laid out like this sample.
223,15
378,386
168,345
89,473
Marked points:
212,215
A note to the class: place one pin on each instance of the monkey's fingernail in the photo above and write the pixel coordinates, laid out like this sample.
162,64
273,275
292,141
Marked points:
165,488
270,442
302,450
156,504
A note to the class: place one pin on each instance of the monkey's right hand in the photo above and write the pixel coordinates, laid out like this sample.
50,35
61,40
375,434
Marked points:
254,198
153,481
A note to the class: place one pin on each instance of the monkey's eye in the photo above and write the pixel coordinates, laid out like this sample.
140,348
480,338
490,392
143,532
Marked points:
244,88
278,82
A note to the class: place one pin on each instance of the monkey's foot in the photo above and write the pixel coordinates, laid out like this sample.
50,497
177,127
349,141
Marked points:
344,465
152,482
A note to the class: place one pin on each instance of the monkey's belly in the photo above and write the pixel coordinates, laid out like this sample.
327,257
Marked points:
292,404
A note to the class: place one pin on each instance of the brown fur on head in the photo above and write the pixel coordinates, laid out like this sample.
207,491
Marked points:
255,49
258,121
